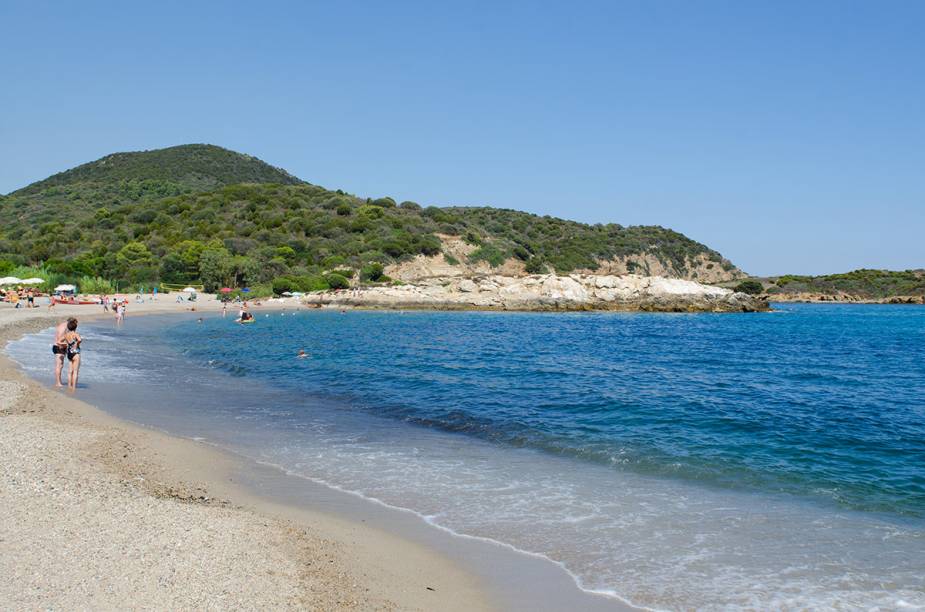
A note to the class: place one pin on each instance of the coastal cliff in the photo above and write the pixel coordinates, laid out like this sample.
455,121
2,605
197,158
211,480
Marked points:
455,259
546,292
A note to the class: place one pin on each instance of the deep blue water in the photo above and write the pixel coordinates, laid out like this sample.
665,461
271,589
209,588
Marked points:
822,401
709,461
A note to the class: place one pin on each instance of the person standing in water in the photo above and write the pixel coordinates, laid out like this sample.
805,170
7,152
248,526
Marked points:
72,352
59,348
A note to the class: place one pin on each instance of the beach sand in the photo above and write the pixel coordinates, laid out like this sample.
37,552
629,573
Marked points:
102,514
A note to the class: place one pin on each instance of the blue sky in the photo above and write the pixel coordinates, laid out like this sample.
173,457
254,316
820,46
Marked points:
790,136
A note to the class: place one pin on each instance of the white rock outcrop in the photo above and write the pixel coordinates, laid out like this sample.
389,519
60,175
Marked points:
547,292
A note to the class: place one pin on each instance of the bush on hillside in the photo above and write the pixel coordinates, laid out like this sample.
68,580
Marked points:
303,283
372,272
750,286
336,281
535,265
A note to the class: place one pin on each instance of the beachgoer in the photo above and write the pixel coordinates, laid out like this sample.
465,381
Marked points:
59,348
224,309
72,352
302,354
245,317
14,299
199,320
30,298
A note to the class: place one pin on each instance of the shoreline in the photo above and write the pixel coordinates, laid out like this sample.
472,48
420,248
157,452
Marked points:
380,558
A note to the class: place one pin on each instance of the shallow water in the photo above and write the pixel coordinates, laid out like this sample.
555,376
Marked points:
696,461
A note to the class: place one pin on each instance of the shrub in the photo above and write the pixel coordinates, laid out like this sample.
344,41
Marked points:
370,212
333,261
90,284
344,209
336,281
535,265
312,282
428,244
372,272
385,202
750,286
291,282
490,253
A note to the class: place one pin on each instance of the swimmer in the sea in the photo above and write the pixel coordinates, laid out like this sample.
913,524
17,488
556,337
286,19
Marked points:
302,354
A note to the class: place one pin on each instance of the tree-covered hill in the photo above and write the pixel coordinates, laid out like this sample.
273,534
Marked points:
144,217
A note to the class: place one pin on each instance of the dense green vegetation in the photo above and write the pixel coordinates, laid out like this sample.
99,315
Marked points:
185,167
199,213
866,284
750,286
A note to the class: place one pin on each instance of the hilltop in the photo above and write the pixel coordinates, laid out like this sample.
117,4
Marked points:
200,213
192,167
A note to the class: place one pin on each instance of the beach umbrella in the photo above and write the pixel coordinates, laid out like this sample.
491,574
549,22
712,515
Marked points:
225,289
65,288
33,281
9,280
189,290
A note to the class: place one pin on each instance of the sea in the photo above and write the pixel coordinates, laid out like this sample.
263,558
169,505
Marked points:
673,461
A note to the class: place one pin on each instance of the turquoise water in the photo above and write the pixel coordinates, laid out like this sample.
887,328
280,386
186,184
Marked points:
765,460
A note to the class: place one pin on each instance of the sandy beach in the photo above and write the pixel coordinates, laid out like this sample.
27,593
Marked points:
103,514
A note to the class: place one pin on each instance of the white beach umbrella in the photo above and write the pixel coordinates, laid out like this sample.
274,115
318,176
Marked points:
65,288
33,281
9,280
189,290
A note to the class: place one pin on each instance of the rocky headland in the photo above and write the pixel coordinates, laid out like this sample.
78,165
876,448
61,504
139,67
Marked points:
842,298
546,292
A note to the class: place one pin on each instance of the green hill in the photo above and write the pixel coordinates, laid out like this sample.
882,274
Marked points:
199,212
860,284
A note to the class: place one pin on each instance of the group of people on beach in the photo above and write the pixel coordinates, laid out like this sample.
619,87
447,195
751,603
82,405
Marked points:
20,297
67,346
116,305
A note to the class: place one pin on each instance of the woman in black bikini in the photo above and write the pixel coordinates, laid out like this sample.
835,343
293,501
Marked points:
73,340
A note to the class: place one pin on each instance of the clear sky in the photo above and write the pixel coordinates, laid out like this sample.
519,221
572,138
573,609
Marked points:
790,136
